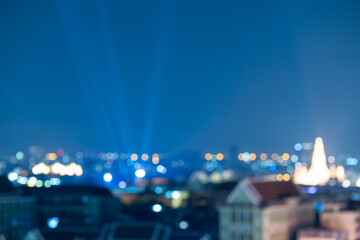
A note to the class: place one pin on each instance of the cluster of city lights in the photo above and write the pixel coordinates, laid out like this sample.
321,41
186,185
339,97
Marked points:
155,158
218,156
281,177
33,181
58,169
247,157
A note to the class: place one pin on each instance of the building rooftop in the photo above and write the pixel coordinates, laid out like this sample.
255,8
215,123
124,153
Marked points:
270,190
68,190
257,191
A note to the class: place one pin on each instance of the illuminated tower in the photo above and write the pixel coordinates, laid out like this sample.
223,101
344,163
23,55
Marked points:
319,173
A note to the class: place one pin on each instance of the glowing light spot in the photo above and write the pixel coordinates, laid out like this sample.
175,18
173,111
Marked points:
70,169
332,182
60,152
286,156
294,158
134,157
145,157
155,160
274,156
252,156
39,183
55,181
140,173
346,183
312,190
24,173
22,180
263,156
12,176
66,158
246,156
32,182
241,156
47,184
352,161
107,177
51,156
41,168
19,155
286,177
160,168
78,170
358,182
176,194
272,168
220,156
168,194
183,225
122,184
331,159
279,177
157,208
53,222
319,207
208,156
298,146
137,165
158,190
290,169
340,173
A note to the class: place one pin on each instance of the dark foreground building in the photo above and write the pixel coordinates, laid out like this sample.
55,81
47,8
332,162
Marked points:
17,213
74,206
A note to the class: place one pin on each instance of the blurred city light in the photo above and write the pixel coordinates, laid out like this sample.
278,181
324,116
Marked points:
134,157
140,173
19,155
122,184
51,156
53,222
176,194
157,208
145,157
12,176
298,146
107,177
183,225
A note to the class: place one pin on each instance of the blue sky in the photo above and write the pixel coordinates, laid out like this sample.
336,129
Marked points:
161,76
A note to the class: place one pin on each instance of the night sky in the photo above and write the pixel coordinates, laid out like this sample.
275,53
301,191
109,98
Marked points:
162,76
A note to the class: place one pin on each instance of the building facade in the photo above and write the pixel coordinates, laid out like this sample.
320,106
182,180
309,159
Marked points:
264,210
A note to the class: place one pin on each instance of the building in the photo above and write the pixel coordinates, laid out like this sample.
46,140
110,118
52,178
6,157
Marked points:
264,210
74,206
320,234
342,220
17,213
318,173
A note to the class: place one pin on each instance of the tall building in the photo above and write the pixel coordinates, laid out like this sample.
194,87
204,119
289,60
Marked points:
318,173
264,210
